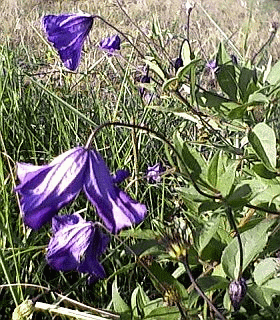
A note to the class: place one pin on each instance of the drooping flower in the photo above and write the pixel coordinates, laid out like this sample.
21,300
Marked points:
111,43
67,33
76,245
46,189
237,291
154,172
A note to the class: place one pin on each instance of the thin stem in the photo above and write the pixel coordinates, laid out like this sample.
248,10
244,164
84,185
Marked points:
160,137
199,291
269,40
262,209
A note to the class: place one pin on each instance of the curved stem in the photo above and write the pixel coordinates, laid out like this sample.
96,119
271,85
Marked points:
160,137
199,291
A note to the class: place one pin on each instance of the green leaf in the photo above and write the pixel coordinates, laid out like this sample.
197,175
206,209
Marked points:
259,295
265,270
212,171
139,300
238,112
151,62
257,98
119,305
186,53
222,55
245,192
227,80
204,234
262,171
273,285
186,69
253,242
226,180
164,313
159,275
245,77
274,74
170,84
191,157
263,141
270,196
221,173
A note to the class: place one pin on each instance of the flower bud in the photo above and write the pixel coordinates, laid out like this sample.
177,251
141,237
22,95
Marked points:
237,291
178,64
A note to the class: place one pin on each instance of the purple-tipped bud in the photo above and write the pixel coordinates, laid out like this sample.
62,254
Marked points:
237,291
234,59
178,64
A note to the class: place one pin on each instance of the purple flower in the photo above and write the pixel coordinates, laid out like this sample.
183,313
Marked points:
46,189
76,245
111,43
212,65
237,291
67,33
154,172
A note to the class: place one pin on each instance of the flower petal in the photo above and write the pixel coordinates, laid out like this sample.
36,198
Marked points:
46,189
120,176
77,244
90,264
71,238
154,173
111,43
114,206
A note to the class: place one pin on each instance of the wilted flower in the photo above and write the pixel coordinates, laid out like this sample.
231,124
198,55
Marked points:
154,172
76,245
111,43
46,189
237,291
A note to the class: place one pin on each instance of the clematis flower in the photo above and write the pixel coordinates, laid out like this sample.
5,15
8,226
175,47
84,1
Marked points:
46,189
76,245
154,172
212,65
111,43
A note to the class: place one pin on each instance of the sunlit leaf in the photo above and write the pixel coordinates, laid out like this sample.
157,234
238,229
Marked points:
263,141
265,270
253,242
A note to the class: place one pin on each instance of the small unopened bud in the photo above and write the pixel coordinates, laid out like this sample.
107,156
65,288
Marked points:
23,311
144,79
234,59
237,291
178,64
